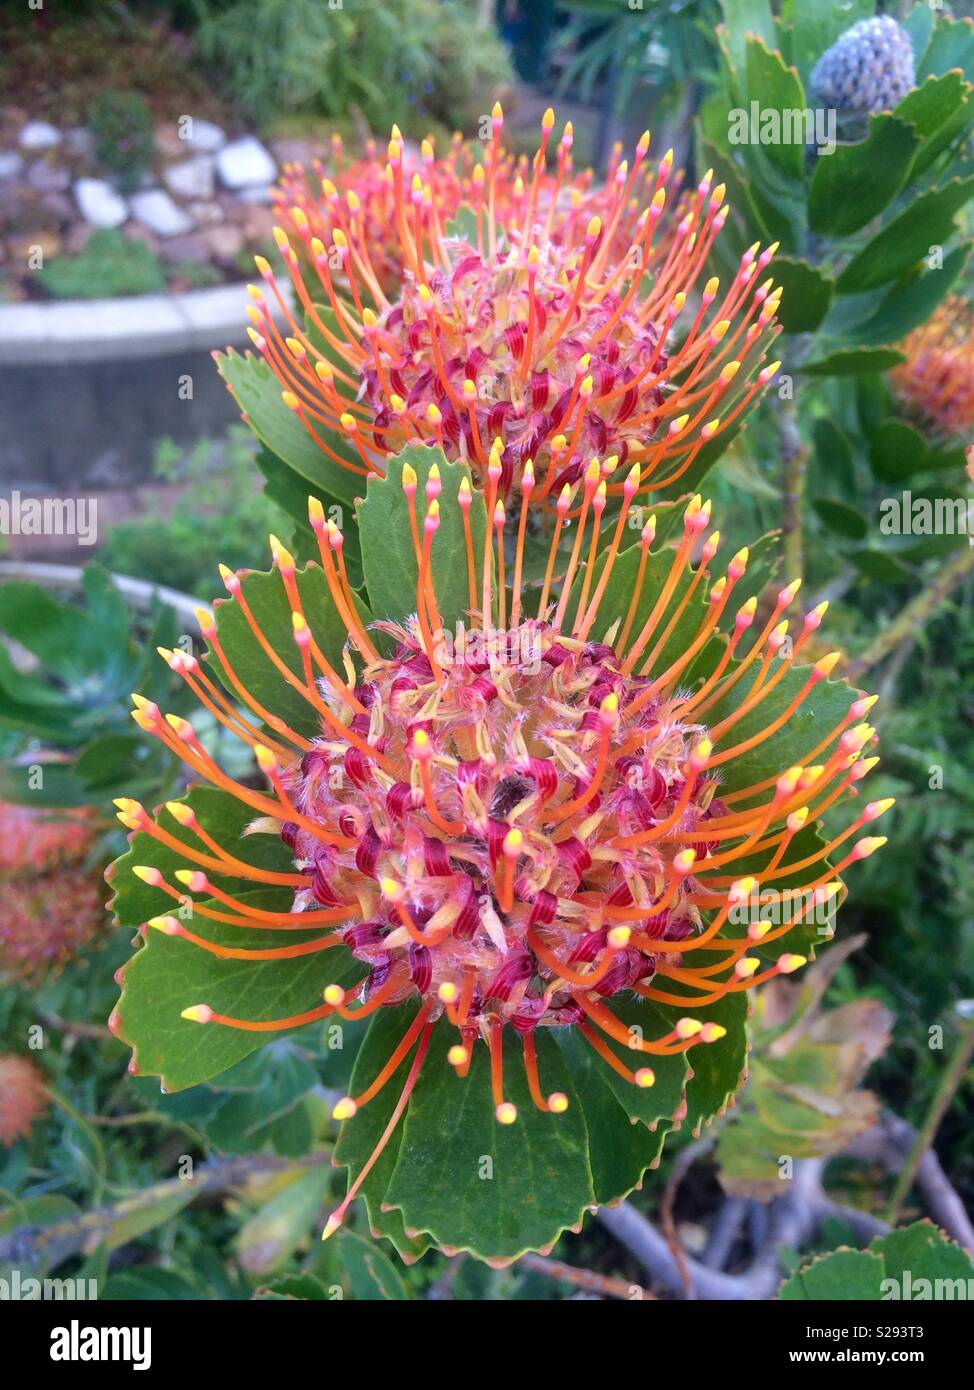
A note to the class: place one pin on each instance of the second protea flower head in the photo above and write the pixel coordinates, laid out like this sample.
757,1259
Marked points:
562,319
521,815
936,382
50,901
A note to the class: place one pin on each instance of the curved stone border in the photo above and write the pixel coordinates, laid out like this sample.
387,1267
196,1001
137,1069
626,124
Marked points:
133,327
138,593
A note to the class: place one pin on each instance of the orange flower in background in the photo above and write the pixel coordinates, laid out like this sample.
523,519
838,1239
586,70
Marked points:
936,382
23,1098
51,902
565,320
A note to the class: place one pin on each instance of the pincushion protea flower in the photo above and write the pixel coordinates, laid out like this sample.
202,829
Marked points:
936,382
505,815
23,1098
563,320
52,905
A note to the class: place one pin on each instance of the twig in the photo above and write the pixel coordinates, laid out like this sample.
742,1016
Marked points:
681,1166
915,614
586,1279
49,1245
889,1145
723,1233
75,1029
944,1094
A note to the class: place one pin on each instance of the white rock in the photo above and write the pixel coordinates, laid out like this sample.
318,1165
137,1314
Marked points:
39,135
100,204
205,137
157,211
191,178
79,141
11,164
245,163
262,193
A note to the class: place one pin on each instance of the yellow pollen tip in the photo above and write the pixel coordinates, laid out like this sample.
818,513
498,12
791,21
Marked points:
290,400
197,1013
266,760
594,227
786,964
344,1109
687,1028
331,1226
618,938
644,1077
513,842
448,993
334,995
747,967
506,1113
548,119
828,663
558,1102
457,1055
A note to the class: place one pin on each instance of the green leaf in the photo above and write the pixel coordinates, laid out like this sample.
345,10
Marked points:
834,1278
841,517
267,598
257,392
367,1272
807,294
904,1264
268,1239
878,565
905,309
744,17
851,361
506,1188
927,221
388,554
951,46
833,453
360,1135
777,88
896,450
168,975
854,183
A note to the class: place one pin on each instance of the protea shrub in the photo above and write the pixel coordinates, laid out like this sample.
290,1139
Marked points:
468,300
51,899
538,835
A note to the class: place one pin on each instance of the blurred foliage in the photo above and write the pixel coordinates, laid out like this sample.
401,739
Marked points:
662,45
121,124
217,489
406,60
110,264
66,670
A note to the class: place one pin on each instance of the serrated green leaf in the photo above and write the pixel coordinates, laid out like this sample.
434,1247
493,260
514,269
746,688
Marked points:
506,1188
903,242
854,183
388,554
807,294
778,88
257,392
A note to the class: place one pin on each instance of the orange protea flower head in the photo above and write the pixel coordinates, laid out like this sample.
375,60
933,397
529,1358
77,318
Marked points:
559,319
520,821
52,905
23,1098
936,382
